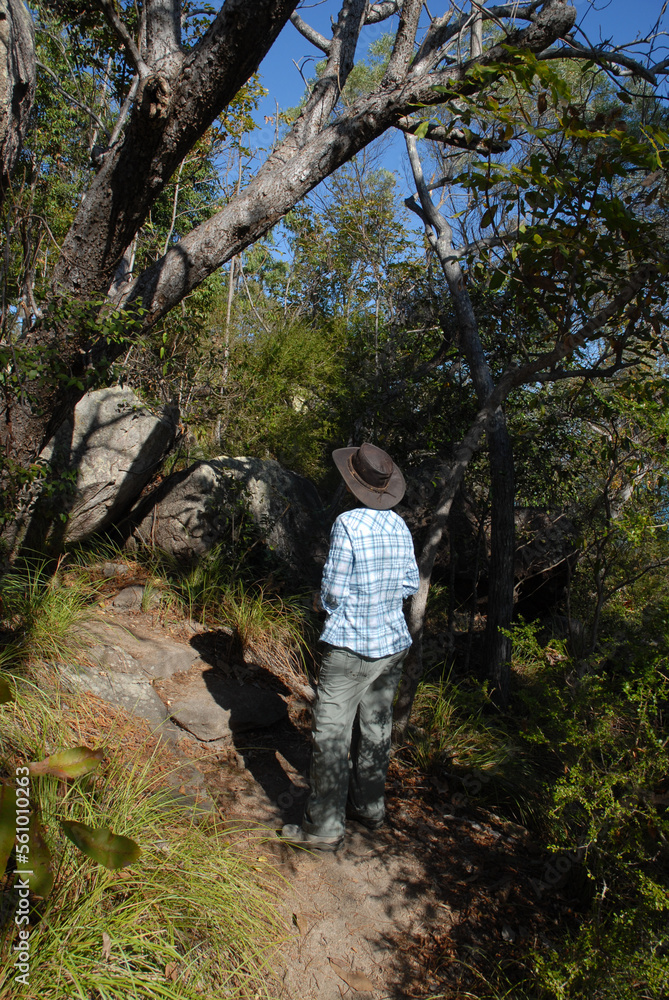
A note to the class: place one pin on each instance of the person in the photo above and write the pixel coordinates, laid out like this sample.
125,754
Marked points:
370,570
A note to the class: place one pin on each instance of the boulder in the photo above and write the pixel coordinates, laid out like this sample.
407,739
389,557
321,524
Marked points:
192,511
113,449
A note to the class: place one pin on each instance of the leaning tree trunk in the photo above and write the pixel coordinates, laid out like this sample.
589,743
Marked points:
17,83
501,569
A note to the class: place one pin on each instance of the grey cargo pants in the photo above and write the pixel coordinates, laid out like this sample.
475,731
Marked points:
353,712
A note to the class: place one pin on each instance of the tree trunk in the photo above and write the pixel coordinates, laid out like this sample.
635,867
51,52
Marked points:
17,83
452,477
501,570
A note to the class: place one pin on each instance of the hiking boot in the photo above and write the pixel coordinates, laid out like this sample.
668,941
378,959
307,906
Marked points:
296,837
371,824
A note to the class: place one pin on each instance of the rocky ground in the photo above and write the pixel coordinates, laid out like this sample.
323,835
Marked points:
444,898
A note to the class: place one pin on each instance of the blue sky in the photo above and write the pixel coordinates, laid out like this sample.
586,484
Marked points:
619,20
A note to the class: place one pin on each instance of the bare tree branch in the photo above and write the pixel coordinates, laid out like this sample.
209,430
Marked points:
311,35
124,36
443,29
606,59
455,137
559,375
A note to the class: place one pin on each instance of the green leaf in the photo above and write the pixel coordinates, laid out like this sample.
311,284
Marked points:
73,763
624,97
7,823
421,131
497,279
488,216
6,693
100,844
39,858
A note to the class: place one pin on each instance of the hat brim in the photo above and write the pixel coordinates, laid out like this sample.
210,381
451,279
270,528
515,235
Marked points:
392,494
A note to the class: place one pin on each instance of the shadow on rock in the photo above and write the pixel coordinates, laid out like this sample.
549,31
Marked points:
251,704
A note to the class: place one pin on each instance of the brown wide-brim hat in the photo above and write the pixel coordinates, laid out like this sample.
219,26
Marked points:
371,475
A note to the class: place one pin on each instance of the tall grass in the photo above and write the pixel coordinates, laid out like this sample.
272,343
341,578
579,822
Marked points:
42,615
192,918
269,630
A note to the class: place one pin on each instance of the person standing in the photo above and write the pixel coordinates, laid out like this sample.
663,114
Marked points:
370,570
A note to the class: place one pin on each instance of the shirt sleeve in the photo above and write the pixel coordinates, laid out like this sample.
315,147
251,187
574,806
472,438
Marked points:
411,576
336,580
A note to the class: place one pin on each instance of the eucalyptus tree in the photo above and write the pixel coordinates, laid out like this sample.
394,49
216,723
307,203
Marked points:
176,85
17,82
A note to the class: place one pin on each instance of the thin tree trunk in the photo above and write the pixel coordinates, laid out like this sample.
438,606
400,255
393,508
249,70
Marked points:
501,586
501,572
17,83
452,477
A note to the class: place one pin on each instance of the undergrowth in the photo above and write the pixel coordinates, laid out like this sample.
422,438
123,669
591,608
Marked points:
193,918
43,612
581,758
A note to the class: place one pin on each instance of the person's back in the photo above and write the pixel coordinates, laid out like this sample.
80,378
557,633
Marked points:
369,572
370,569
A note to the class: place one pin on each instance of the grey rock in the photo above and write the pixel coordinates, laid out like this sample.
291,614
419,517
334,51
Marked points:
134,598
213,707
130,693
190,512
110,569
116,659
115,445
132,652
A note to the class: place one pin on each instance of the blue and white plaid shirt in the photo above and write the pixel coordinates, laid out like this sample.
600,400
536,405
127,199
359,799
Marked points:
369,571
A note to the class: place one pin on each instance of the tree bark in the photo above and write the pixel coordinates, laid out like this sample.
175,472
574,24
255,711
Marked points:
497,647
178,96
17,83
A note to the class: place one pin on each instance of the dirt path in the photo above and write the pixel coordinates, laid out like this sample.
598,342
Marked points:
424,908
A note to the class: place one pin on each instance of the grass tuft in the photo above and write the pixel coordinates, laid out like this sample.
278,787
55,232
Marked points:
42,613
193,918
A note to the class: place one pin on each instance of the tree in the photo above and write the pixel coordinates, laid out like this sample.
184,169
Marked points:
17,83
174,88
565,250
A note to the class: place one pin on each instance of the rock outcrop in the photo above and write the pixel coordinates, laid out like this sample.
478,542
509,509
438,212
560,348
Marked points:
173,686
192,511
113,449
